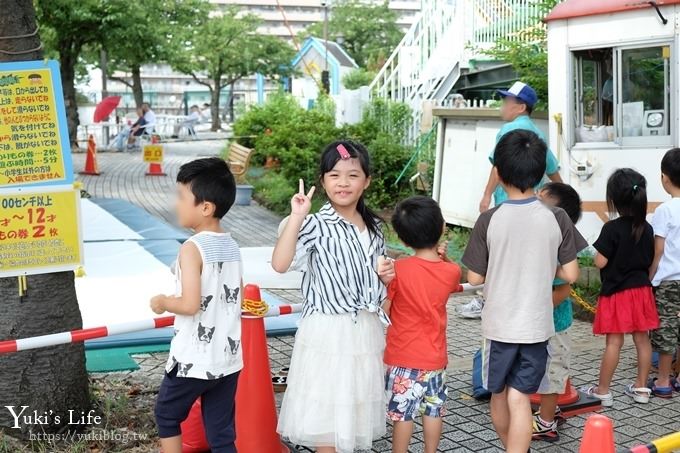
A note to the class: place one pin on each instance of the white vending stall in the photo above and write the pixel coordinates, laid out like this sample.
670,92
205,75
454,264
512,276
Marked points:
613,89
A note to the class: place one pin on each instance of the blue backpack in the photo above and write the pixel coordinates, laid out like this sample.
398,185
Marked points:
478,390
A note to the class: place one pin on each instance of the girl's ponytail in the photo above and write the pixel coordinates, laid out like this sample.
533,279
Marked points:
627,195
639,208
370,218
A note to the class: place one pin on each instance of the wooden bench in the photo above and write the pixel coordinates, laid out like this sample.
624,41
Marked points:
239,160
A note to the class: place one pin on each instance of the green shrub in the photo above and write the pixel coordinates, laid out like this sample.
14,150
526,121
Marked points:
358,78
274,191
382,130
289,133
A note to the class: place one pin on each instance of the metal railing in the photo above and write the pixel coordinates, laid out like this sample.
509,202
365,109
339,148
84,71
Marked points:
428,61
502,19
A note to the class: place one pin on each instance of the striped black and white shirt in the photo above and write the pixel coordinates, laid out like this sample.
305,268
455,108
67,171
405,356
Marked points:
339,274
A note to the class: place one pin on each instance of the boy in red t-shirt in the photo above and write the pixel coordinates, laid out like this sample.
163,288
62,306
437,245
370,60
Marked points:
415,354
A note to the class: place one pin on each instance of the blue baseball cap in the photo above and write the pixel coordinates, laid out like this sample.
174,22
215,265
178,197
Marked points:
521,91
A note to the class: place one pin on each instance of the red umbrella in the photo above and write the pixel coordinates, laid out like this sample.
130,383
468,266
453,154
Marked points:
105,107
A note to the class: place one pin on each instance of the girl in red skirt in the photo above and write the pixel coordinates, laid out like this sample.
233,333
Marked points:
625,250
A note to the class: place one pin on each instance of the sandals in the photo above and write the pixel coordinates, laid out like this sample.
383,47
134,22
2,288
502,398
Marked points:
675,384
607,400
280,380
661,392
639,394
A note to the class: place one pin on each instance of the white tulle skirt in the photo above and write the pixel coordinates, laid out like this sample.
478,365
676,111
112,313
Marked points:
335,395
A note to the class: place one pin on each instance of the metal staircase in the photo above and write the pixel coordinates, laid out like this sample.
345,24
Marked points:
430,58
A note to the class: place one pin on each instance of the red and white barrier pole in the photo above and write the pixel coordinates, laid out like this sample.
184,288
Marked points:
76,336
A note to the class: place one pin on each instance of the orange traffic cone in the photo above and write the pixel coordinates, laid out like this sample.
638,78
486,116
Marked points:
255,404
569,396
193,431
598,435
571,402
91,167
155,169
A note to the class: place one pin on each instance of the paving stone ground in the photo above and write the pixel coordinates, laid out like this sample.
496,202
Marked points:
467,426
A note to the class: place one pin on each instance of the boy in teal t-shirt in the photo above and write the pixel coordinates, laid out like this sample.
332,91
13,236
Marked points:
559,346
518,103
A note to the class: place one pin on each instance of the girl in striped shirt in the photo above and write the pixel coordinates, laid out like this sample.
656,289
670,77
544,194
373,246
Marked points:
335,396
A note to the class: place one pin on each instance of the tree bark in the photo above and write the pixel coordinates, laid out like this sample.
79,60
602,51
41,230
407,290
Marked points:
137,90
48,379
215,106
67,60
231,102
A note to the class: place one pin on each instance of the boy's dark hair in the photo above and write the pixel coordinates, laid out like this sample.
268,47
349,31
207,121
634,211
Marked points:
529,109
567,198
519,158
210,180
627,195
418,222
670,166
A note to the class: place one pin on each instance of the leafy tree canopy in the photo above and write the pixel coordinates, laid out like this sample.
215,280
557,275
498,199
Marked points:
369,30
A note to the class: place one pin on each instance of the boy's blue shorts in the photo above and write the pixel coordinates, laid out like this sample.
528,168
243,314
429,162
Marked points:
176,396
520,366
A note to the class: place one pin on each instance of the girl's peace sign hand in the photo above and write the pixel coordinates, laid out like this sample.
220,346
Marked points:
301,203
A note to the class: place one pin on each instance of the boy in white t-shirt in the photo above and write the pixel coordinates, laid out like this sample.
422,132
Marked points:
665,275
205,354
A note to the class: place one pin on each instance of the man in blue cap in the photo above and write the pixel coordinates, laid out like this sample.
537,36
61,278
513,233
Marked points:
518,103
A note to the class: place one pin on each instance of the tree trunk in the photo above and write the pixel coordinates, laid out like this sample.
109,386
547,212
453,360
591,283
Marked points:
231,102
67,60
137,90
215,106
48,379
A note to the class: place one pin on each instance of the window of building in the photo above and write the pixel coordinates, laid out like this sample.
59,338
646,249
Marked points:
594,95
622,95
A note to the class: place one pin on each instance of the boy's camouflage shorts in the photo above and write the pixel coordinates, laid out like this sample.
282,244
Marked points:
667,337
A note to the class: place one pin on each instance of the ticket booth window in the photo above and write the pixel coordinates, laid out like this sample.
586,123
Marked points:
645,92
594,94
622,95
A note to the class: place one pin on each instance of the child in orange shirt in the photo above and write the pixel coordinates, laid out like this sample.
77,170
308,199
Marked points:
416,355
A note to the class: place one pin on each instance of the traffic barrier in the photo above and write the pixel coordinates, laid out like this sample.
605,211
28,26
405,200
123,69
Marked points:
571,402
255,403
155,168
598,435
75,336
666,444
91,167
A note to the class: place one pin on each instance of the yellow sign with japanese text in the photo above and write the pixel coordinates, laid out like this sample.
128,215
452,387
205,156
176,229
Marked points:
153,154
34,143
39,232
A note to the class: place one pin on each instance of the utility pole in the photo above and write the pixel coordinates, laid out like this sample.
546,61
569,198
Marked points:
325,76
103,65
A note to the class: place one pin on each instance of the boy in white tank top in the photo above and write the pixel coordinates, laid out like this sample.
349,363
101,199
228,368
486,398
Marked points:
205,354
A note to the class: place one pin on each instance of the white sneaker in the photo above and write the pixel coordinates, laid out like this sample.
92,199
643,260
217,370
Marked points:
607,400
640,394
472,309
